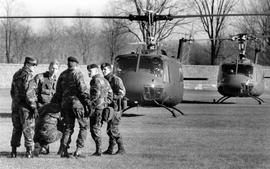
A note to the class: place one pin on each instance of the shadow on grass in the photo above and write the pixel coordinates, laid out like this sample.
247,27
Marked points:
6,154
203,102
5,115
131,115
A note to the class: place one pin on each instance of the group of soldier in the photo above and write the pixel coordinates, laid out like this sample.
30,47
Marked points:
44,108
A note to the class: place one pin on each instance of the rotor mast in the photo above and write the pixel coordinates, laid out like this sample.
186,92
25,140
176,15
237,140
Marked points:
150,18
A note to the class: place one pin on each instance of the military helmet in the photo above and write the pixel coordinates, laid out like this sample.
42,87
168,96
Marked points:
30,60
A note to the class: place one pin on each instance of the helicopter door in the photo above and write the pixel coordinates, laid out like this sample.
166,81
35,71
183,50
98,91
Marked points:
166,77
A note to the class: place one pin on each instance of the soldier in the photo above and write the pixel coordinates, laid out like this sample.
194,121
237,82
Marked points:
119,92
24,108
45,84
101,96
47,128
71,94
113,119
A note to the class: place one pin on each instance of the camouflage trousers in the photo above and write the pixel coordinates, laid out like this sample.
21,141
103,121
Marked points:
113,128
95,125
71,112
22,124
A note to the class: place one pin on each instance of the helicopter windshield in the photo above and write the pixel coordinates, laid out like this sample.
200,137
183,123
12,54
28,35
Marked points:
153,65
150,64
124,64
241,69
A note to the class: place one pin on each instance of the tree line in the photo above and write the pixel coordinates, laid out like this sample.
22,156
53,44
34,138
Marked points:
92,42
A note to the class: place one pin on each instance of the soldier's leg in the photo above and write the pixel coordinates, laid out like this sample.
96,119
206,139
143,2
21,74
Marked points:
16,133
112,141
69,120
95,130
83,124
28,131
119,140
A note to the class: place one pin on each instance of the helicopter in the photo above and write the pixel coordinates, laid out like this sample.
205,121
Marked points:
149,75
241,77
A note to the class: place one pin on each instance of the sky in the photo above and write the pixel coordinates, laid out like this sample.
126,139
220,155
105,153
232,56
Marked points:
56,7
63,7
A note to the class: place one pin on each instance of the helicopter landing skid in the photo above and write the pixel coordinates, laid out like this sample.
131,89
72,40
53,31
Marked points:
259,100
168,108
130,107
222,99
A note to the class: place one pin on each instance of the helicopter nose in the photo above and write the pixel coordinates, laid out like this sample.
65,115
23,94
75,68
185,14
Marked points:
237,85
152,92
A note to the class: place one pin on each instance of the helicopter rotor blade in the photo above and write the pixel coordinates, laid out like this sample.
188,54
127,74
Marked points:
63,17
137,17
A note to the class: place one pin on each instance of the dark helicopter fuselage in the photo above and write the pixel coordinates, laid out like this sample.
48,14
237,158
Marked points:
150,77
240,79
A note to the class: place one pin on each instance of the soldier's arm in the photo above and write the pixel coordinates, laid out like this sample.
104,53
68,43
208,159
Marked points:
110,93
36,83
95,88
58,92
82,88
30,92
12,89
121,90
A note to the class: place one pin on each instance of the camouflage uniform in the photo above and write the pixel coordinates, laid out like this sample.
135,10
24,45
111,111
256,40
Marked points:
101,95
23,108
113,119
44,84
45,87
71,94
119,90
46,130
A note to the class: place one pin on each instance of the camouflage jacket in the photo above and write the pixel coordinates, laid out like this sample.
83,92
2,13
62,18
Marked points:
100,92
71,85
118,88
21,92
45,86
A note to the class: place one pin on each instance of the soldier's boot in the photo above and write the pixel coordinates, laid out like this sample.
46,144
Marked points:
29,152
78,152
121,149
64,153
13,153
109,151
36,149
98,149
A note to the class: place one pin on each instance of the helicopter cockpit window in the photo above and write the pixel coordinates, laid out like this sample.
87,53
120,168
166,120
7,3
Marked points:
241,69
153,65
124,64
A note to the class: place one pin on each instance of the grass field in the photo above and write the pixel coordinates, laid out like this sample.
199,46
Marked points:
209,136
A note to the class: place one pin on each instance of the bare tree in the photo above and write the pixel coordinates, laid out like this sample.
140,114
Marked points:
13,31
258,25
53,38
8,26
214,26
84,32
21,38
162,29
